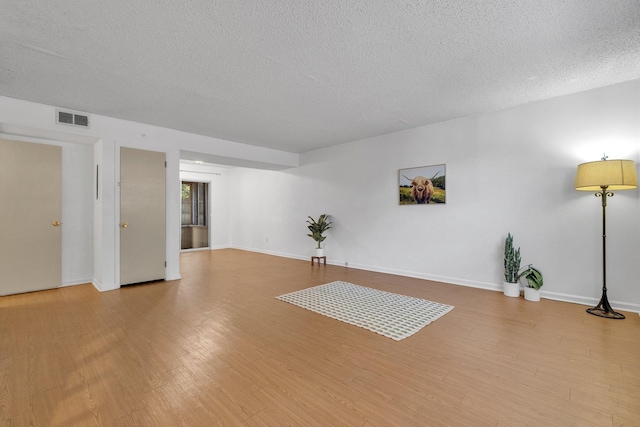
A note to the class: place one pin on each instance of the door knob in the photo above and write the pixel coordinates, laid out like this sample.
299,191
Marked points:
56,223
125,225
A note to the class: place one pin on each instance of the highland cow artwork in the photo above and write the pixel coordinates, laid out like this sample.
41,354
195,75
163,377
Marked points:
423,185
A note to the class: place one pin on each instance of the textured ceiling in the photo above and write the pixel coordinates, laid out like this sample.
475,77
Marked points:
296,75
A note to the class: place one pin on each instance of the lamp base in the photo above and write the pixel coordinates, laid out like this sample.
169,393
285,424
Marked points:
598,311
603,309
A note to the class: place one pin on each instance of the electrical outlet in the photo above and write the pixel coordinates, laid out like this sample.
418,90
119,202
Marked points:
346,263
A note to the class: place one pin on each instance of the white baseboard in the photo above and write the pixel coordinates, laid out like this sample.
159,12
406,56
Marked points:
432,277
96,284
576,299
213,248
75,282
274,253
195,249
591,302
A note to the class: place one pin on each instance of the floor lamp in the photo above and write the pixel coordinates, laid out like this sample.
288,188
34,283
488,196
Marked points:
603,177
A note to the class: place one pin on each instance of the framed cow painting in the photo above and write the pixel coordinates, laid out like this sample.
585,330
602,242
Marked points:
424,185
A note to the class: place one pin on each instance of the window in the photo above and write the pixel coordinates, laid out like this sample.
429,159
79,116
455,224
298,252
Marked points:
194,203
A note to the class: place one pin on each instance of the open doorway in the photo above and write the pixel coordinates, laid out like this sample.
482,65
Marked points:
195,214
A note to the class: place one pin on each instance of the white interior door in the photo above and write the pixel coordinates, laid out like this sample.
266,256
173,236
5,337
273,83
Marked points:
30,217
142,216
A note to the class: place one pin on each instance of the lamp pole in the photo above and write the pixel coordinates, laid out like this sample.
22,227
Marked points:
604,177
603,309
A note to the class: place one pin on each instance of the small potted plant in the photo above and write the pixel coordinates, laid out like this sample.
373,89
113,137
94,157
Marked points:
317,229
511,285
533,283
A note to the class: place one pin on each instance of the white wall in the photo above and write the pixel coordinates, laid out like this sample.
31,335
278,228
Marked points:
508,171
78,191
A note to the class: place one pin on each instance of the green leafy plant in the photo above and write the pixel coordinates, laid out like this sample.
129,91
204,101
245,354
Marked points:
533,276
317,228
512,273
511,261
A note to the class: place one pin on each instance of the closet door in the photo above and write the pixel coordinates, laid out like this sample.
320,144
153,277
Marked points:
30,217
142,216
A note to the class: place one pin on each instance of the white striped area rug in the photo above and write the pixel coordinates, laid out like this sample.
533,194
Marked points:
385,313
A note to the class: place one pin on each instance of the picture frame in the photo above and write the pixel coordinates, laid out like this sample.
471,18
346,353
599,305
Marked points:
423,185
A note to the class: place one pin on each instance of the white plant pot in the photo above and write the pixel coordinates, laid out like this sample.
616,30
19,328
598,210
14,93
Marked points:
511,289
531,294
319,252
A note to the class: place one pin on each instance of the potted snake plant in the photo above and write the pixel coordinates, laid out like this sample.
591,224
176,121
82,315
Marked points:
317,229
511,285
513,274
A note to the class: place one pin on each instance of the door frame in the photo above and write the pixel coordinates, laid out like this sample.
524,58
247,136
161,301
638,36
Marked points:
172,271
209,212
49,256
63,140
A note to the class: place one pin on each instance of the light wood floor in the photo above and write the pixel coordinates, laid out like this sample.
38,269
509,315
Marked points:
217,348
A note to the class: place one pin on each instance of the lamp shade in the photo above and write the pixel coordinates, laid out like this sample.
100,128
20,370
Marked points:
612,174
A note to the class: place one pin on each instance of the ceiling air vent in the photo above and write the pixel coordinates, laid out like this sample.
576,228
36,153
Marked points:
73,119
